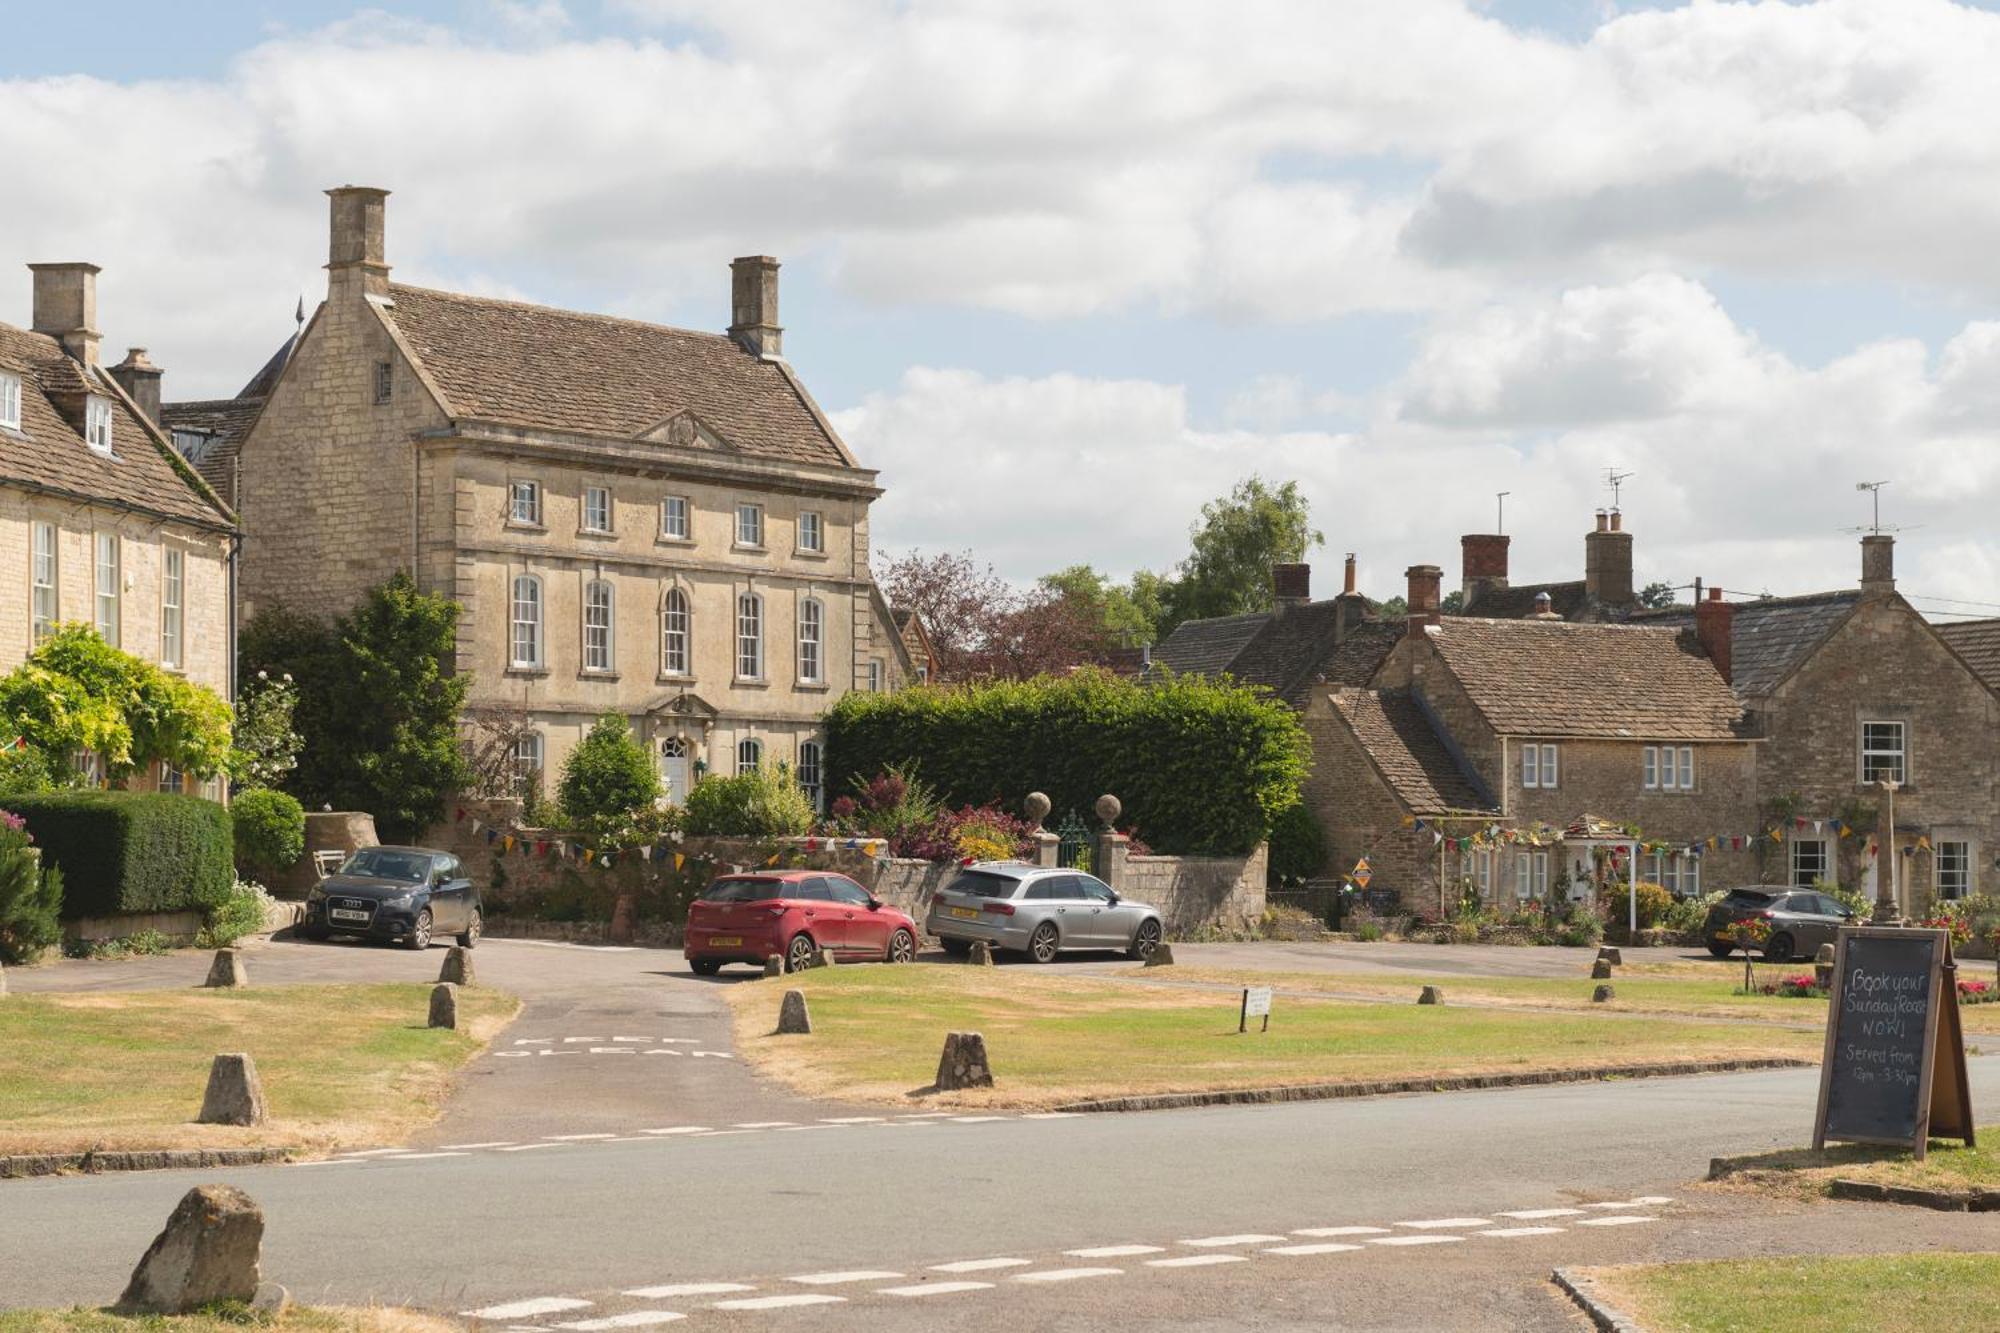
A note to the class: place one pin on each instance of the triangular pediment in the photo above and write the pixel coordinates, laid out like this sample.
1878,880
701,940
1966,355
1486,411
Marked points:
685,430
683,703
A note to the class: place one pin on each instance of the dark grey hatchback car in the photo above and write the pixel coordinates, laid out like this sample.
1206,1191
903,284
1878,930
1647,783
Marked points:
406,894
1800,921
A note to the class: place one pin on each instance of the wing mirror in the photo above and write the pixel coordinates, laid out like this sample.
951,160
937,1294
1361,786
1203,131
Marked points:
874,904
1114,898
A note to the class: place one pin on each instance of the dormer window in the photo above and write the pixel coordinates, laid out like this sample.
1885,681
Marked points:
10,400
97,423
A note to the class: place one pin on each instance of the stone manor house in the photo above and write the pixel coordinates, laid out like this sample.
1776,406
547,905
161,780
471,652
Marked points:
637,519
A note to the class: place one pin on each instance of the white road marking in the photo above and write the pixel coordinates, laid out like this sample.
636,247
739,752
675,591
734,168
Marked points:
665,1052
425,1156
558,1052
682,1129
1621,1203
576,1138
719,1055
334,1161
580,1041
564,944
534,1041
1341,1231
1197,1261
643,1041
675,1289
1115,1251
637,1319
635,1138
975,1119
1324,1247
1245,1238
1536,1214
497,1143
1447,1223
1053,1115
373,1152
530,1147
722,1133
854,1120
512,1055
1067,1274
908,1124
764,1124
933,1288
1653,1199
980,1265
780,1302
793,1129
1415,1240
528,1309
922,1115
842,1278
612,1050
1621,1220
1521,1231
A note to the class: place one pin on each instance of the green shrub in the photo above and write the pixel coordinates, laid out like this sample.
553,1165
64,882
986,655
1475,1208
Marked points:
270,829
1298,845
30,896
1201,767
608,774
1368,932
240,913
24,771
1854,900
764,802
1654,903
124,852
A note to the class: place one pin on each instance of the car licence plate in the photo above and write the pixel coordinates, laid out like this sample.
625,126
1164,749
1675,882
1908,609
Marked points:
966,913
346,914
726,941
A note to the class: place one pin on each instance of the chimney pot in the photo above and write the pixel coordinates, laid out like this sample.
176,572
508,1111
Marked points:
1603,521
356,257
1713,621
753,306
65,307
1878,564
140,379
1425,583
1291,585
1617,521
1347,588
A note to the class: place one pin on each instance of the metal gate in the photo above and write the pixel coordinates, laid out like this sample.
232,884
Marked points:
1072,843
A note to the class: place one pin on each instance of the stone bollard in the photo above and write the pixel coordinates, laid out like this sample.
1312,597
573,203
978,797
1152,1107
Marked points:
444,1006
1823,965
1609,954
823,957
1161,956
963,1064
1600,971
774,965
980,955
793,1020
206,1254
234,1095
1602,994
226,971
457,967
1430,995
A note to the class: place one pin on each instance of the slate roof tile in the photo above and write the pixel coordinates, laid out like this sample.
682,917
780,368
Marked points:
1408,752
1770,636
1285,653
1978,642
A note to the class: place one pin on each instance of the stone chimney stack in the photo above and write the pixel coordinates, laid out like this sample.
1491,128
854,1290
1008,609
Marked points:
1291,586
1347,585
753,306
356,262
1713,620
140,378
66,307
1426,581
1607,560
1878,565
1482,563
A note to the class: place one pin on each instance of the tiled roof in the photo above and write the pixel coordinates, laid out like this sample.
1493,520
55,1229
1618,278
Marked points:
1552,678
50,452
1517,601
1407,750
1206,647
1978,642
1772,635
222,423
532,366
1283,652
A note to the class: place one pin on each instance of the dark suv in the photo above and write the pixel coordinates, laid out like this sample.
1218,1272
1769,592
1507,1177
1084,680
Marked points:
1800,920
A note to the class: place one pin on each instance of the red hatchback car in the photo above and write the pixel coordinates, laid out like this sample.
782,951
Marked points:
747,918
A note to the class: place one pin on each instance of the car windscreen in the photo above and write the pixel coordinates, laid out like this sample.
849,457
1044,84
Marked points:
756,890
378,863
981,884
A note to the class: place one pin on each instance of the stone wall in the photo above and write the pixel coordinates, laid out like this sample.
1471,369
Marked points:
1198,892
341,831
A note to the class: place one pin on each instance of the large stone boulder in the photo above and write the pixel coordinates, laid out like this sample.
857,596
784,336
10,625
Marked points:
207,1253
963,1064
226,971
444,1005
793,1020
457,968
234,1096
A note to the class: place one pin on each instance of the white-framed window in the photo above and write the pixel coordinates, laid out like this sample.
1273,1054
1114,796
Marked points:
750,525
97,423
106,608
749,754
749,636
1482,871
1669,768
173,582
528,758
1954,868
1531,874
525,650
812,531
172,779
42,571
875,675
812,632
1538,766
1678,873
10,400
597,606
1884,751
674,519
524,503
1809,862
674,636
597,509
811,770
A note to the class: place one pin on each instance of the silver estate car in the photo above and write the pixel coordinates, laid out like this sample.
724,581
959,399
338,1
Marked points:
1039,911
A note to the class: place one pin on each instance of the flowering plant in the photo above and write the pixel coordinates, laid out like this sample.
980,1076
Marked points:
1977,992
1751,930
1800,986
1957,927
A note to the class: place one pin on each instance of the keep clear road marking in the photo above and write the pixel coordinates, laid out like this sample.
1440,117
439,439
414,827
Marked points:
1067,1274
1520,1231
780,1302
933,1288
675,1289
1447,1223
839,1279
528,1309
1197,1261
1324,1247
637,1319
1247,1238
1621,1220
1415,1240
1537,1214
1115,1251
1341,1231
980,1265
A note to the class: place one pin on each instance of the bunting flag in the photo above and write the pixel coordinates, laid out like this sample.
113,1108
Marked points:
507,844
1777,835
679,860
773,860
1408,820
459,818
812,844
605,864
1924,841
1819,825
492,836
588,856
476,825
541,847
1800,822
1909,851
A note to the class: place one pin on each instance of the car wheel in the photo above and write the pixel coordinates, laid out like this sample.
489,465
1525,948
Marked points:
799,953
1778,949
1044,943
705,967
956,948
1721,950
420,933
469,937
1145,941
902,947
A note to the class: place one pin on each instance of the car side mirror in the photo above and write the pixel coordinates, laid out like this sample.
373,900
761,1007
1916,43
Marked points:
874,904
1113,900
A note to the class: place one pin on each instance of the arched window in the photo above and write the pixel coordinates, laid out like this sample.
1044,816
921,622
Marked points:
812,628
809,770
597,626
749,754
674,634
527,637
749,636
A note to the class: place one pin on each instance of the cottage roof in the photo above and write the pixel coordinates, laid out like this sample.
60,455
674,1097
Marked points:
218,425
533,366
49,451
1978,642
1408,752
1553,678
1284,651
1517,601
1770,636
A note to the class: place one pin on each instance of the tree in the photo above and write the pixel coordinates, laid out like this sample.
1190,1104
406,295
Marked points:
982,627
958,600
1235,544
1656,596
78,693
608,775
266,742
1126,615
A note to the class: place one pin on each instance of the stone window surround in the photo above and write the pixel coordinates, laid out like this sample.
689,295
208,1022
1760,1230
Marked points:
530,753
173,573
818,680
686,536
1969,871
799,547
736,542
1875,718
583,524
514,520
1541,766
1531,874
385,383
812,777
538,663
751,748
685,675
97,423
37,525
1679,873
1659,771
98,597
1796,866
609,671
757,639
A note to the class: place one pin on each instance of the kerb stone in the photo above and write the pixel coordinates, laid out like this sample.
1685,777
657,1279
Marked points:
1600,971
234,1095
207,1253
774,965
1609,954
1602,994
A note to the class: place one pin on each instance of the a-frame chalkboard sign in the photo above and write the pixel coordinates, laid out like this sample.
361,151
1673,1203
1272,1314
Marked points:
1894,1070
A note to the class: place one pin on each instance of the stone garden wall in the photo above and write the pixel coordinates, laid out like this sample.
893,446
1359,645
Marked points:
1195,893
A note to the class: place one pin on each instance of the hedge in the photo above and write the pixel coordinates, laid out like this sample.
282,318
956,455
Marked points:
1201,768
126,852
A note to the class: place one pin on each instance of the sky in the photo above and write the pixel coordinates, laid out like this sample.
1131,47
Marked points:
1064,272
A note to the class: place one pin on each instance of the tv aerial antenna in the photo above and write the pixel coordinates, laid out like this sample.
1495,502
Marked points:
1615,480
1875,526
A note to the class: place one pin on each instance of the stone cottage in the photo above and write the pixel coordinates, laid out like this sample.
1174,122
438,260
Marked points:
102,520
637,519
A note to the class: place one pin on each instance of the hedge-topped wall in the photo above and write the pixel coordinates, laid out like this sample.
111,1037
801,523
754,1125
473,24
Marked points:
1202,769
128,852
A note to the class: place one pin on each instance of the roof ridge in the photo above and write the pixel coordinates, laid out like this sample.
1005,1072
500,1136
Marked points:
622,321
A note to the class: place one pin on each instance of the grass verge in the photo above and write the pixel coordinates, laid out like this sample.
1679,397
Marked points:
1947,1165
341,1065
298,1319
1890,1293
877,1033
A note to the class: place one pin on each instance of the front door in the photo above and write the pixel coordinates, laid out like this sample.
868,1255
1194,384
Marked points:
676,770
